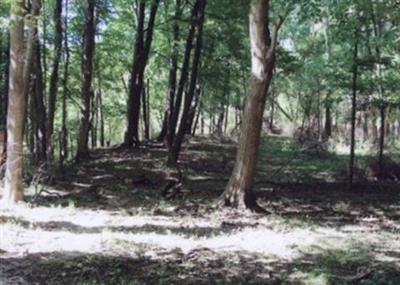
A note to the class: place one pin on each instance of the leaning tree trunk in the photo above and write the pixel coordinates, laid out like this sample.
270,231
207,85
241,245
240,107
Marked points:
58,37
13,189
141,55
87,66
166,126
173,118
199,19
239,191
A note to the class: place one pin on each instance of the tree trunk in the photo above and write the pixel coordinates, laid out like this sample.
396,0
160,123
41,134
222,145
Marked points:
328,121
4,102
102,138
58,37
146,124
141,55
87,70
167,129
272,115
36,5
193,113
353,111
199,20
184,74
13,189
39,107
382,110
64,129
365,125
239,191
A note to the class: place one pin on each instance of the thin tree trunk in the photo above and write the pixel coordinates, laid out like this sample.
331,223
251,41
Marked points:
194,113
167,128
145,114
271,117
87,70
141,55
13,188
382,110
196,121
239,191
4,103
353,111
64,129
30,51
39,108
199,20
328,120
102,138
94,120
184,74
54,77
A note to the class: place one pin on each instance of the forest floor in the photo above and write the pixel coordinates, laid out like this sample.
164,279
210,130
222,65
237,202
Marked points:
106,222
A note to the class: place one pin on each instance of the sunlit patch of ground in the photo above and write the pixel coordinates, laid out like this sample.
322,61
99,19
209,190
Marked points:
103,224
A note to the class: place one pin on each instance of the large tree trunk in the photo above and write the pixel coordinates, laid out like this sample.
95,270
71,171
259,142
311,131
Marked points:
239,191
353,110
13,189
141,55
199,20
58,37
87,70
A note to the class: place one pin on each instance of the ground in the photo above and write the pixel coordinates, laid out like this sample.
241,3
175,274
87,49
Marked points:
106,222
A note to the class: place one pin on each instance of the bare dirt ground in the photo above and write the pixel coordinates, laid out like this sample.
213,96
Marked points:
106,222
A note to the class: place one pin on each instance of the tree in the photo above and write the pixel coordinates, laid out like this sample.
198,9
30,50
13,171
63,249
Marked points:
353,108
185,118
58,37
141,55
239,191
87,70
13,190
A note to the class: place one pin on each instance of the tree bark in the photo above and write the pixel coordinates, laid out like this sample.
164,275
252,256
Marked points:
146,123
13,189
353,111
64,130
36,6
87,70
239,191
328,120
167,128
141,55
382,112
39,107
199,20
54,77
184,74
4,102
